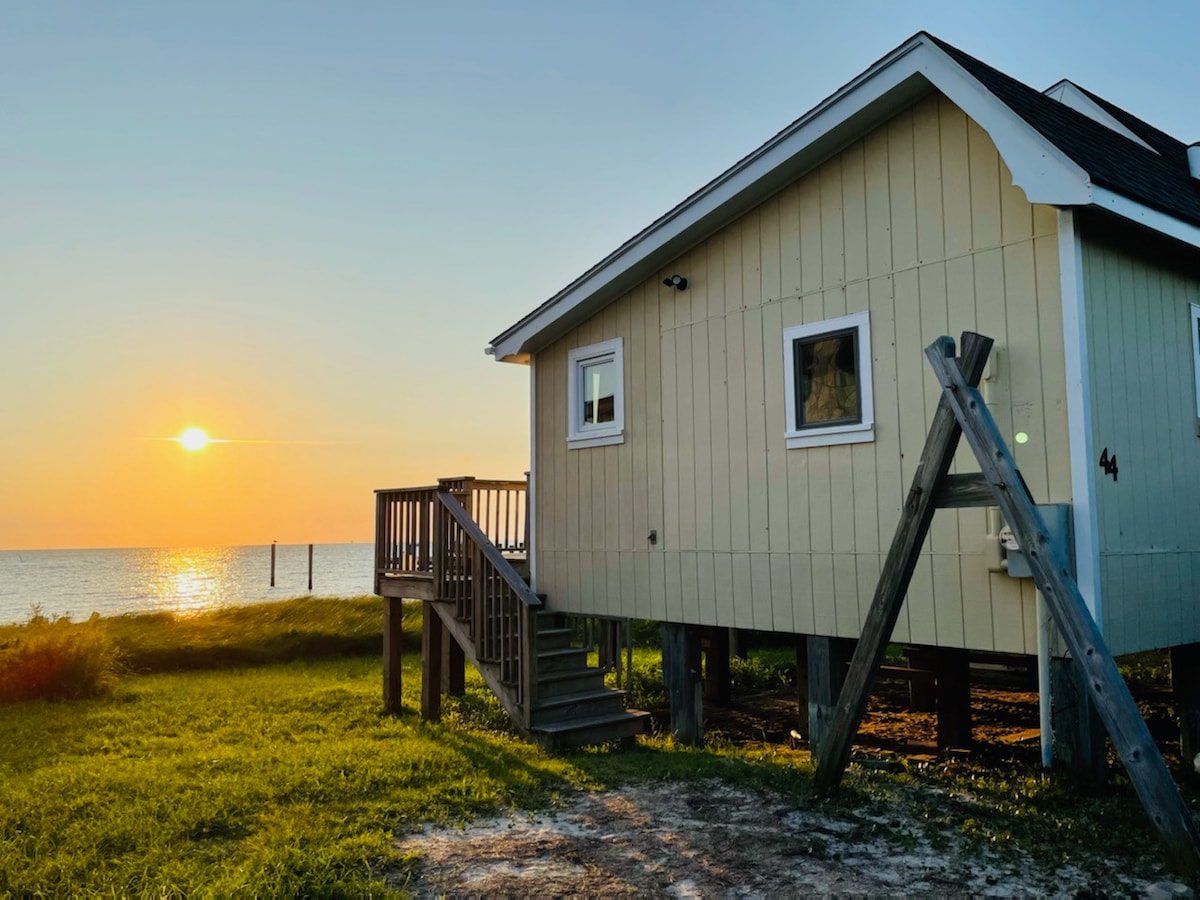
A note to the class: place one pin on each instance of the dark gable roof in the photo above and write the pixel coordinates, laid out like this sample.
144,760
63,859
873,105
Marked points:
1158,180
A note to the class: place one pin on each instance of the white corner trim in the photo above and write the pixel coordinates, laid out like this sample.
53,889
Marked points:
1194,320
1079,416
1144,215
531,485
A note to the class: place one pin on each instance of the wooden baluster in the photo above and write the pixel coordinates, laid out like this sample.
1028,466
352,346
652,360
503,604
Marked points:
525,515
380,539
507,535
477,598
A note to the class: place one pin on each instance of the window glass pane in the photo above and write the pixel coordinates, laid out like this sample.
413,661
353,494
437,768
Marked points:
599,391
827,377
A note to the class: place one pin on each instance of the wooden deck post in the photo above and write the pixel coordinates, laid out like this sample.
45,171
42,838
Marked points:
454,667
433,634
923,692
802,723
393,639
1185,685
717,675
1079,734
952,669
738,644
608,643
681,672
827,658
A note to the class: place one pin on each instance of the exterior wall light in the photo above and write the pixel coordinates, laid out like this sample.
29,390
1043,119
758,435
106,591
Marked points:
676,281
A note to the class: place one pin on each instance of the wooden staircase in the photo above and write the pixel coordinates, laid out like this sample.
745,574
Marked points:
574,707
476,597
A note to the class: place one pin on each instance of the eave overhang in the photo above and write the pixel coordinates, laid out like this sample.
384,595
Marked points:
918,66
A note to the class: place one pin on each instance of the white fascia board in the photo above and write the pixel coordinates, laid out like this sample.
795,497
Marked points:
1085,524
1102,198
1039,168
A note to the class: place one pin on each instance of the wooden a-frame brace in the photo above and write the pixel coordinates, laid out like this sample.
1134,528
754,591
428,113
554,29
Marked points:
963,411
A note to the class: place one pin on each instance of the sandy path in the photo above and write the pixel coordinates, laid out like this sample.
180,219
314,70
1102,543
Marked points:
709,839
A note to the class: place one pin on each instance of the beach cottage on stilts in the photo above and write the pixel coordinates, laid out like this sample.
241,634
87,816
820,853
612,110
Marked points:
729,409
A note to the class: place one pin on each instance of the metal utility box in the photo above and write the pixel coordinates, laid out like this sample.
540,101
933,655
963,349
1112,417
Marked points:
1058,523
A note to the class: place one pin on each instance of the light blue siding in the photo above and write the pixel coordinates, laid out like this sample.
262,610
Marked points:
1137,297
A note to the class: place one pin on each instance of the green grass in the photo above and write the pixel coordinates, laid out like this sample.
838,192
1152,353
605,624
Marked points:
280,780
288,779
304,628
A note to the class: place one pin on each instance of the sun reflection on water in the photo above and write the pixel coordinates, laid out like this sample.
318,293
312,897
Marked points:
186,580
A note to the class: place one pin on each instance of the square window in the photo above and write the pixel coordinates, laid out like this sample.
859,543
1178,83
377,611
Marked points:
595,395
827,381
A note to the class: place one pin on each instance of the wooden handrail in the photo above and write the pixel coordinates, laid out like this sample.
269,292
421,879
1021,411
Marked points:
406,490
491,601
488,549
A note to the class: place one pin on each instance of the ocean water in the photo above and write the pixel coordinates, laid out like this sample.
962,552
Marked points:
76,583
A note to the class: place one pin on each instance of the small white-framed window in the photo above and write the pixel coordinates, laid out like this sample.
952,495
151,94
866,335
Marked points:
1194,318
827,382
596,395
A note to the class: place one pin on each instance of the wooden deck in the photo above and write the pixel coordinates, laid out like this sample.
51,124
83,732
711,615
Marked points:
461,548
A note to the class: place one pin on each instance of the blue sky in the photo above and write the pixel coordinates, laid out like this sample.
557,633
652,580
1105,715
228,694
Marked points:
306,220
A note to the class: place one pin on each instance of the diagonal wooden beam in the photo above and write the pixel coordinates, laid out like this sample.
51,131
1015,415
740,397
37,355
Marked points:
1158,792
919,507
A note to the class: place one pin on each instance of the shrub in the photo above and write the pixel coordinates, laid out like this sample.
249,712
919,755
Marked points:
57,660
763,671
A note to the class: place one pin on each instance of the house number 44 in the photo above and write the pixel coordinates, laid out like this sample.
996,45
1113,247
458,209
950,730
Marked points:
1109,464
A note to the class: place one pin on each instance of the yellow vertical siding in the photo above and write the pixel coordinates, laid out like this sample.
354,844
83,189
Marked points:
917,223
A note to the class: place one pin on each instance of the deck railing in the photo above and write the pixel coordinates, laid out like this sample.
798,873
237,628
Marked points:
492,601
404,531
404,521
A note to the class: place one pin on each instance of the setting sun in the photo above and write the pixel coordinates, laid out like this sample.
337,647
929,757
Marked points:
193,439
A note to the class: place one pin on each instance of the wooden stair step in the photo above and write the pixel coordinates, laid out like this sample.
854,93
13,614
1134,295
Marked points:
562,659
582,696
555,638
574,707
558,684
594,729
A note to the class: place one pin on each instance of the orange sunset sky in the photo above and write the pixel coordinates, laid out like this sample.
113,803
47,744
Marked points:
298,225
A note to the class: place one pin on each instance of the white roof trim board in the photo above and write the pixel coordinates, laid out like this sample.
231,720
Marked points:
1039,168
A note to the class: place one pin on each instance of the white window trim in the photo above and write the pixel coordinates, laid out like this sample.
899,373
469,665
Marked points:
579,433
854,433
1194,319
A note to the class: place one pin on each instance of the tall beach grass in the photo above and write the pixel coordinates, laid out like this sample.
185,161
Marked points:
62,660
